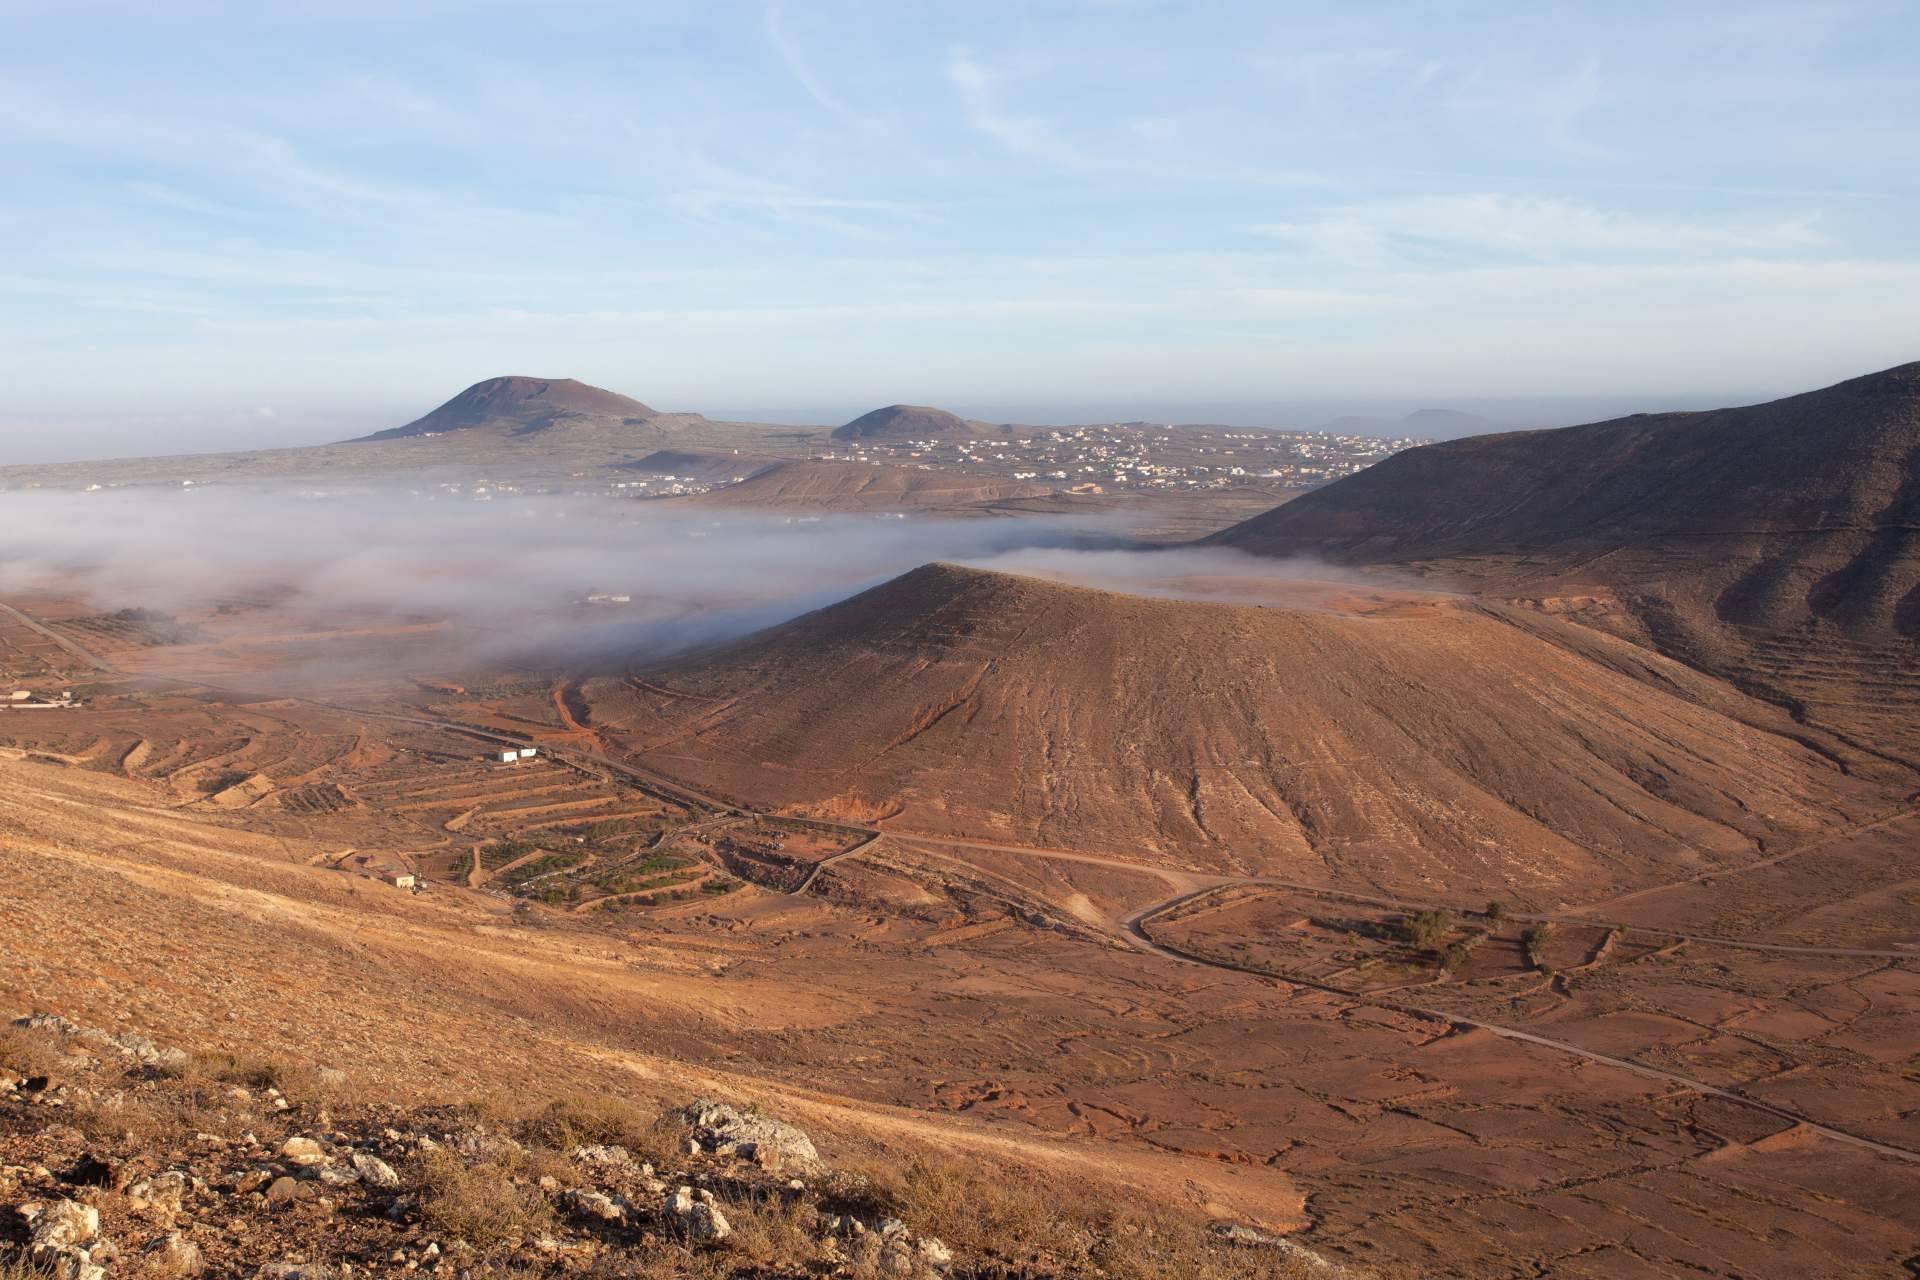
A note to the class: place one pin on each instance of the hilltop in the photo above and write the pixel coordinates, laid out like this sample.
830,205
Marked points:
522,405
1837,460
900,422
1415,744
1776,544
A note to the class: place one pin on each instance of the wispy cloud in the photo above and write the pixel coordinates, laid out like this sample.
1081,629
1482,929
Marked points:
1030,136
711,189
801,69
1531,227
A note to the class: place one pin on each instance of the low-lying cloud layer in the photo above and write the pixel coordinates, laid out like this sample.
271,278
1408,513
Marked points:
513,576
515,572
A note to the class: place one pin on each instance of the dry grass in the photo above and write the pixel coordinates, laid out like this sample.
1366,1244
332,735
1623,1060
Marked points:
485,1204
774,1235
299,1081
988,1212
15,1267
1133,1247
583,1119
29,1053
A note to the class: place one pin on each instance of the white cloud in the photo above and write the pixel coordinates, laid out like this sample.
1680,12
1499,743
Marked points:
802,71
1029,136
1527,227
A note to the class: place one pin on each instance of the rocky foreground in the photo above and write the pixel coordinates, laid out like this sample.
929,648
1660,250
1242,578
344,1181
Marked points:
119,1157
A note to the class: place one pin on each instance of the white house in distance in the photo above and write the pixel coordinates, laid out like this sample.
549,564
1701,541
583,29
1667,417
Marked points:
513,755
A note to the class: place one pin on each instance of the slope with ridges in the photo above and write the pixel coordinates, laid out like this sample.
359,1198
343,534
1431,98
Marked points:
1777,545
1430,745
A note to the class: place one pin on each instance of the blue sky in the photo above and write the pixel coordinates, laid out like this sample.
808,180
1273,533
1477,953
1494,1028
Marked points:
222,223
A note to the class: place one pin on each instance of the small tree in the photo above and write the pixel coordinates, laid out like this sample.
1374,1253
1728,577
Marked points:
1495,912
1453,958
1534,943
1427,929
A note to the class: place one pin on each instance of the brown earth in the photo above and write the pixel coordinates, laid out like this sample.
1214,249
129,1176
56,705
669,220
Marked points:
900,422
522,406
865,487
1777,545
1421,744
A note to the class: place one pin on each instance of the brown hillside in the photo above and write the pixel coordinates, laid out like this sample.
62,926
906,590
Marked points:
1777,544
695,465
521,405
1430,745
914,422
858,486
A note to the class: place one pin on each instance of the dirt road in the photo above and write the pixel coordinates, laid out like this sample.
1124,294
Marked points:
73,647
1136,928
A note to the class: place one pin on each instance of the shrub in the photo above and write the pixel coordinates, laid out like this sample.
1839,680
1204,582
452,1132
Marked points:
222,780
1495,912
1453,957
28,1052
1534,942
13,1266
1427,929
598,1120
483,1204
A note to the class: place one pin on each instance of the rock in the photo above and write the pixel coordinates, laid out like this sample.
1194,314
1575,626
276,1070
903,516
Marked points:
160,1194
1304,1259
594,1204
934,1251
727,1131
303,1151
610,1158
482,1145
146,1052
59,1226
283,1191
176,1255
47,1022
294,1271
375,1172
332,1077
77,1265
697,1217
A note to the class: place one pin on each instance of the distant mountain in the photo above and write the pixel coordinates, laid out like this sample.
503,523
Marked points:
1422,424
902,422
523,405
1778,543
1422,744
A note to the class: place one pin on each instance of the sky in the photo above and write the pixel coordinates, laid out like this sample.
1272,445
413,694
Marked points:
224,225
